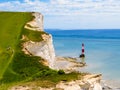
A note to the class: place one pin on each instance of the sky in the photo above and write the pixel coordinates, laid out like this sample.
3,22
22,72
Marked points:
71,14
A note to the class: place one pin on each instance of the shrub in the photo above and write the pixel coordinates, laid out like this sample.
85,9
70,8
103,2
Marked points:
61,72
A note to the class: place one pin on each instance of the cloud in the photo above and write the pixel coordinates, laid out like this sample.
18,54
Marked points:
64,7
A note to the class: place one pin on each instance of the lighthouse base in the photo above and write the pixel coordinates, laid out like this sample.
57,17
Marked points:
82,56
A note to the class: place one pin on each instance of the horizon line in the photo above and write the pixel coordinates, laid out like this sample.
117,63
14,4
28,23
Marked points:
80,29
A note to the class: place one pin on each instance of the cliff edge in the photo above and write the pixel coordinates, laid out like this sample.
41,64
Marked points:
24,46
43,48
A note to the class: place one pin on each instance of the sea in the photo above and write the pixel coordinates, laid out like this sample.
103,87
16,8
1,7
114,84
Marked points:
102,49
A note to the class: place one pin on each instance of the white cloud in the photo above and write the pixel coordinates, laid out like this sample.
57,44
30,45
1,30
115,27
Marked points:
64,7
76,13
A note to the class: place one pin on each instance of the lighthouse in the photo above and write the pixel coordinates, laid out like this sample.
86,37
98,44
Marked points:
82,55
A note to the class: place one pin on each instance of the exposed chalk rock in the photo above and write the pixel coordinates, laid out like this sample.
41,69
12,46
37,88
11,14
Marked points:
43,49
68,64
36,23
89,82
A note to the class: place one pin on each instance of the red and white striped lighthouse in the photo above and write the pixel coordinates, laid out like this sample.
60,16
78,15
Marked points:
83,51
83,48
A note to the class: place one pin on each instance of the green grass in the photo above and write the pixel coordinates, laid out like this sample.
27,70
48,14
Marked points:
17,67
52,80
35,36
11,25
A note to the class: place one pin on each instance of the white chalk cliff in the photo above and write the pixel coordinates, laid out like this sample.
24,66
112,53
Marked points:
44,48
37,22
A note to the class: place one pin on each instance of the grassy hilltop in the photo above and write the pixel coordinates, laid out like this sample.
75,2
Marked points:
11,26
17,67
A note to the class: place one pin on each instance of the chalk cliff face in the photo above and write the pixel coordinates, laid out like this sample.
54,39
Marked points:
44,48
37,22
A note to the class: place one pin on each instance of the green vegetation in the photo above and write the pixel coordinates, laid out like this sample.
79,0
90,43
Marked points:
11,25
17,67
61,72
52,80
33,35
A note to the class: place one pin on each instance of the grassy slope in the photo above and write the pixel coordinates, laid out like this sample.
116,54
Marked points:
15,66
11,25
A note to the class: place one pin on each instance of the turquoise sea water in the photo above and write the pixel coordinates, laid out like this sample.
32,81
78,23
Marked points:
102,49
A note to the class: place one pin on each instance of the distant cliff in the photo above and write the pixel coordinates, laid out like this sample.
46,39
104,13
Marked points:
43,48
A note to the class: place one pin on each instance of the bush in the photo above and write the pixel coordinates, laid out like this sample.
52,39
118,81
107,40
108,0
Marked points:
61,72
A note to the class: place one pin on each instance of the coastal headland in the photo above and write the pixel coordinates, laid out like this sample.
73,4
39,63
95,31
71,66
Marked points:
28,60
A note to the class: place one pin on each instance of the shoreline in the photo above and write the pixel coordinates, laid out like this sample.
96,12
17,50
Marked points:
70,64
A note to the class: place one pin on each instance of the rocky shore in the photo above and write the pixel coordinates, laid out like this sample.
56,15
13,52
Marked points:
89,82
68,64
110,85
